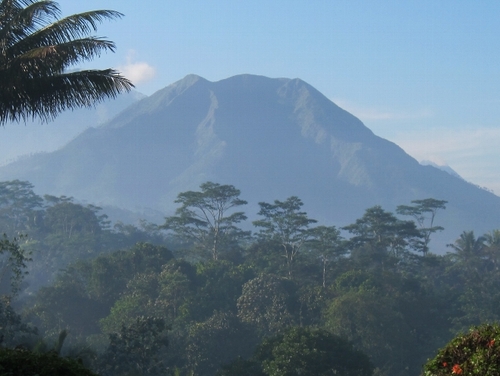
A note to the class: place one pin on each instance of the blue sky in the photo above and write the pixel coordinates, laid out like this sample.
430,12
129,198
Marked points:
424,74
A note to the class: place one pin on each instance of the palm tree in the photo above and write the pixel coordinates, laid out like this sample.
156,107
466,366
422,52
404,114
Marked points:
492,248
467,247
36,50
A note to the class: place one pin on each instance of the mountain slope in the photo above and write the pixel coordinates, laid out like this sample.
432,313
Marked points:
271,138
21,139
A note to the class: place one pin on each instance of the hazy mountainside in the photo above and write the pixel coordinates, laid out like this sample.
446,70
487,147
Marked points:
24,139
445,168
271,138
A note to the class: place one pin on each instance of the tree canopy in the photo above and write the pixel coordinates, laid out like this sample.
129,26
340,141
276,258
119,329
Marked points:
285,224
204,218
124,303
37,50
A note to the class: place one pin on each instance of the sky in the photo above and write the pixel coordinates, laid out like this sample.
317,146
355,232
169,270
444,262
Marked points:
423,74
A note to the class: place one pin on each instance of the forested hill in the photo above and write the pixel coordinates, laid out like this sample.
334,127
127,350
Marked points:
271,138
200,295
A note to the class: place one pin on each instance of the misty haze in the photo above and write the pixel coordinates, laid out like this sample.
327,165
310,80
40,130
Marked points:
332,214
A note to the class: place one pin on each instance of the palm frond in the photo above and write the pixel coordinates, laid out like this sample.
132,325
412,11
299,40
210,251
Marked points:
55,59
37,48
62,31
72,27
17,23
46,97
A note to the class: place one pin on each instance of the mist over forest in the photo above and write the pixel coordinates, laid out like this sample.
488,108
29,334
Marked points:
197,294
249,226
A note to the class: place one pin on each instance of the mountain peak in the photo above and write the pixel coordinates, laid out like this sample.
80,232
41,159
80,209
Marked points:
270,137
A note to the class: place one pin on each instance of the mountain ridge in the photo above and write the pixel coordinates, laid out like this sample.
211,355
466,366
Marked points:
271,138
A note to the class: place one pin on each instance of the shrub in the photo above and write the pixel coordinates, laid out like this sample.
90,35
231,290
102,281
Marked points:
474,353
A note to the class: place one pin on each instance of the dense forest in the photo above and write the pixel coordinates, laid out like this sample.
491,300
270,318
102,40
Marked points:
200,294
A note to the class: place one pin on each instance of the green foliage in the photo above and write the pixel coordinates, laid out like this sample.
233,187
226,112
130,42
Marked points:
473,266
13,264
468,249
474,353
56,232
66,305
69,219
392,303
174,291
20,208
37,50
219,285
136,348
125,310
375,325
241,367
326,244
284,224
218,340
13,331
268,303
382,230
26,363
389,317
72,232
424,212
314,352
203,218
85,292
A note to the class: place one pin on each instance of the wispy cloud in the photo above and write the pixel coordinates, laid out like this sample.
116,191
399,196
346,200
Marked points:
137,72
446,141
367,113
473,153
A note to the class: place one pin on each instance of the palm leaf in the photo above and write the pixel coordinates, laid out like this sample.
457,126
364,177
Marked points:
16,22
54,59
46,97
37,48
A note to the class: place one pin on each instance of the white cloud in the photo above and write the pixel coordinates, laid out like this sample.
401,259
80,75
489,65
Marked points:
137,72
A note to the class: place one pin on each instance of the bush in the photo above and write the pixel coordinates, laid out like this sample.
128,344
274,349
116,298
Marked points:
474,353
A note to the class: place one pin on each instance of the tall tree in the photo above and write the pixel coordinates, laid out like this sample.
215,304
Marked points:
205,217
479,296
13,263
284,223
37,48
492,249
20,207
468,249
424,212
326,244
381,229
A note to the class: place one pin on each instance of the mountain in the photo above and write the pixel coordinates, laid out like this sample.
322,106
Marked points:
36,136
445,168
271,138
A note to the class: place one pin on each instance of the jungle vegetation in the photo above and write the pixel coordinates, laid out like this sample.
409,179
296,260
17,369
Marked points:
202,295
